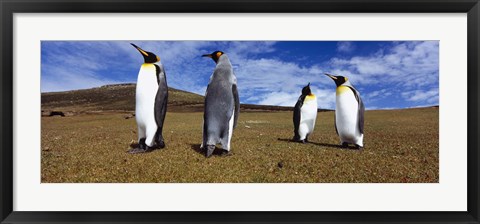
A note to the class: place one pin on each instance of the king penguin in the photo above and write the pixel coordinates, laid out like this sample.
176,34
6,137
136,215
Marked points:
304,115
349,112
222,105
150,102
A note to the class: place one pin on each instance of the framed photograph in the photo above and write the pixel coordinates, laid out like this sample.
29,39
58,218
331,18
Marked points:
263,112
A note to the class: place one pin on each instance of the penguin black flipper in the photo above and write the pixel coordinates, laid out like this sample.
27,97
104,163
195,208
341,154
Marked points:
237,104
335,122
361,109
297,116
161,100
205,120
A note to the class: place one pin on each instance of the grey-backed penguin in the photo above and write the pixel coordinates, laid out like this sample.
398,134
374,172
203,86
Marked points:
349,112
150,102
304,115
222,105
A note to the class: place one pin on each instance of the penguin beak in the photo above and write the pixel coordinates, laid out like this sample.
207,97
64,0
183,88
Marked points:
308,85
331,76
144,53
207,55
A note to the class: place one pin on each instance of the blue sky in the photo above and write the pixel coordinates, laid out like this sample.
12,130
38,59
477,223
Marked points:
388,74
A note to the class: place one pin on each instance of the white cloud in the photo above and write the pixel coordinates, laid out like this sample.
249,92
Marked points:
63,79
246,48
409,64
275,82
325,98
279,99
345,46
429,96
378,94
80,64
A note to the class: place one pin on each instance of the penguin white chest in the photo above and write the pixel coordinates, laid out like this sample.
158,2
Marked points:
146,91
346,115
308,116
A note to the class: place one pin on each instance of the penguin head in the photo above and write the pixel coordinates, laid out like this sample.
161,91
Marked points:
215,55
339,80
149,57
306,90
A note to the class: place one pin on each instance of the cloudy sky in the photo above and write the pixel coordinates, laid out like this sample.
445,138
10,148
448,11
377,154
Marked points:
387,74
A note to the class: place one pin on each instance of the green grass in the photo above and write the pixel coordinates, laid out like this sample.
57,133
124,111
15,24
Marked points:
400,146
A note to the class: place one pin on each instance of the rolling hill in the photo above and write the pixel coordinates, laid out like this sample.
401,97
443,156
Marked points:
121,98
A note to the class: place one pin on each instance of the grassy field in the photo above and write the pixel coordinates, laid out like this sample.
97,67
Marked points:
400,146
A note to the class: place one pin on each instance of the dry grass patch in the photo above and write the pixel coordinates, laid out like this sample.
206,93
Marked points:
400,146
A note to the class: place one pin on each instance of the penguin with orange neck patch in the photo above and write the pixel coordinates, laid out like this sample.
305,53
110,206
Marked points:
304,115
151,97
349,112
222,105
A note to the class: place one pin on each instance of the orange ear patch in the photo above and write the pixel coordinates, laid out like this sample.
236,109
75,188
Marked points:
219,54
310,97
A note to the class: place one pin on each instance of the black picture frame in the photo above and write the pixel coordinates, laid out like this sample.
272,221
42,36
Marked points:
9,7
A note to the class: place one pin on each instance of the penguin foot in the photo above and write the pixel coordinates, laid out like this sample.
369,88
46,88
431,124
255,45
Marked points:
344,145
296,138
225,153
358,147
137,150
161,144
209,150
304,141
142,148
299,141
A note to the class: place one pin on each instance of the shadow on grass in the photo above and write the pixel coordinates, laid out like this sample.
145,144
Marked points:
319,144
286,140
196,148
134,145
